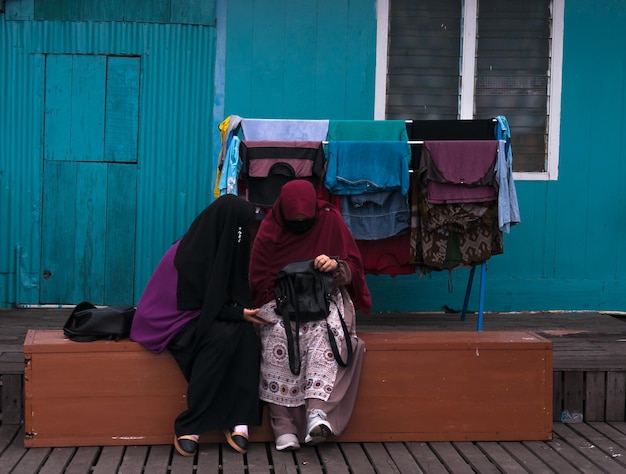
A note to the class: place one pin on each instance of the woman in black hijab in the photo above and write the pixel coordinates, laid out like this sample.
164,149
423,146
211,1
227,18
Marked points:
198,305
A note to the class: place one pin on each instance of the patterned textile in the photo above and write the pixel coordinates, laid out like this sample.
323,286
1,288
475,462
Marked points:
437,230
415,249
319,369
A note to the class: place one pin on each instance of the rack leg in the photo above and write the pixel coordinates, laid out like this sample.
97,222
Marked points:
467,292
481,299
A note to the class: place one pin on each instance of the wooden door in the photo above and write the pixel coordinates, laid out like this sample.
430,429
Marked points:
90,179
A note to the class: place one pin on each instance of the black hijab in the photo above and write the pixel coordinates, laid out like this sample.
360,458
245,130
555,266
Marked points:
212,259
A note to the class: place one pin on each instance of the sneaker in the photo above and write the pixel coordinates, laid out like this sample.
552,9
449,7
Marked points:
287,442
318,427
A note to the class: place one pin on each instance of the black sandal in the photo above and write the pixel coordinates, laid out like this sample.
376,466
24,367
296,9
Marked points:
186,445
237,440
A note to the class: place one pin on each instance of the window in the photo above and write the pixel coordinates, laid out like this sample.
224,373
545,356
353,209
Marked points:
455,59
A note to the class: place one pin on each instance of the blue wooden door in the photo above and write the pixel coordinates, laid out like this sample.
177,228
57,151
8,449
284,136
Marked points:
90,179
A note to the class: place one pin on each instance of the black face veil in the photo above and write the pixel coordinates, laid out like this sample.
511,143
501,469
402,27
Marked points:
212,259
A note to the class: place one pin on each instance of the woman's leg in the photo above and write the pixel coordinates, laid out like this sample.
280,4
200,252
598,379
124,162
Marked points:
287,420
338,407
222,372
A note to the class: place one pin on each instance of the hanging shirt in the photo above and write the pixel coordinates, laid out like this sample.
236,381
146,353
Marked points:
267,165
373,216
230,171
457,171
362,167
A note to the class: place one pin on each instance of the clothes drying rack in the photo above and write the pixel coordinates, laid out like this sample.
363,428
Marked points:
470,280
481,294
483,267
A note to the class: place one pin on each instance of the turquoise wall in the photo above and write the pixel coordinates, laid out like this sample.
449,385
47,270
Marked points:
175,135
300,59
316,59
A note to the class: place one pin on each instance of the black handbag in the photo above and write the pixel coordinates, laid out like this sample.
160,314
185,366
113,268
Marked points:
89,323
304,294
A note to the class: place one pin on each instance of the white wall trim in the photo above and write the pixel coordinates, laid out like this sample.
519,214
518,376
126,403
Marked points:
555,88
468,59
382,45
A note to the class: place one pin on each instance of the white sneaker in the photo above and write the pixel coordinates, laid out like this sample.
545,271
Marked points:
318,428
287,442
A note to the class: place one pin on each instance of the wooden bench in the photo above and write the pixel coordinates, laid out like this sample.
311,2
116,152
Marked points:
426,386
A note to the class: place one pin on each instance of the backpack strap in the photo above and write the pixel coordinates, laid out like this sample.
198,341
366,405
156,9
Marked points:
293,342
346,334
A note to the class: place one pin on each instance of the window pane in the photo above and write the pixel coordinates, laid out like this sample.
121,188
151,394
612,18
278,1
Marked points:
512,65
423,68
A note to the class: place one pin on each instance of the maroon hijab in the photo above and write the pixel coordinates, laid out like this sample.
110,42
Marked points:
275,246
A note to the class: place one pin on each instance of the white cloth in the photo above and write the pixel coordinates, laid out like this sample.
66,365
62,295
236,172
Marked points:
284,129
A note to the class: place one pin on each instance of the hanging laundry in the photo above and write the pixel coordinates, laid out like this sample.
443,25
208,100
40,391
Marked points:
457,204
268,165
373,216
419,130
388,256
367,130
356,167
229,177
228,128
459,170
284,129
508,206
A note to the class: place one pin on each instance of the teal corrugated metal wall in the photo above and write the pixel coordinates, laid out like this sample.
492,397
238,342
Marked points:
175,137
316,60
312,59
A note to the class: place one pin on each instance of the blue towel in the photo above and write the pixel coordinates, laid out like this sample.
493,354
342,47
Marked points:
363,167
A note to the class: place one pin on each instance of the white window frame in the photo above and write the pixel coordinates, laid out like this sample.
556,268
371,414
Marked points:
468,66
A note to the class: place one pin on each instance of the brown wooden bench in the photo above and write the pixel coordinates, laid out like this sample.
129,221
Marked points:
415,386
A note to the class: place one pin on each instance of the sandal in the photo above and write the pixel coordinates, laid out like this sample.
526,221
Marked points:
237,440
186,445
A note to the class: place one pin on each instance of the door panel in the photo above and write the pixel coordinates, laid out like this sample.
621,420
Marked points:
122,109
58,230
89,233
119,261
74,113
90,179
91,203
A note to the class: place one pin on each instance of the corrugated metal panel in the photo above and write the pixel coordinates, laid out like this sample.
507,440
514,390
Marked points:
175,166
198,12
21,116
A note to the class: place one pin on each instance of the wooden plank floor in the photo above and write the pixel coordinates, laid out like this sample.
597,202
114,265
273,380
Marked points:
585,447
581,341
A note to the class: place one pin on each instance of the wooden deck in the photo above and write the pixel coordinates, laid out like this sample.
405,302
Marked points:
589,352
595,447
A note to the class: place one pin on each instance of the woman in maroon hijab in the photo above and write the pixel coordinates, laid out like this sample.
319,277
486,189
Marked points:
318,402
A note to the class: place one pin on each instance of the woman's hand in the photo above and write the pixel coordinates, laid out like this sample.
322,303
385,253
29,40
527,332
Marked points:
325,264
252,315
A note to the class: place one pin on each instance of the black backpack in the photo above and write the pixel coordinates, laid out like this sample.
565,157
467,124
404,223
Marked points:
304,294
89,323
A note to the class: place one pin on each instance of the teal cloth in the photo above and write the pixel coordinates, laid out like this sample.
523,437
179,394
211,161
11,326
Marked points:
367,130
